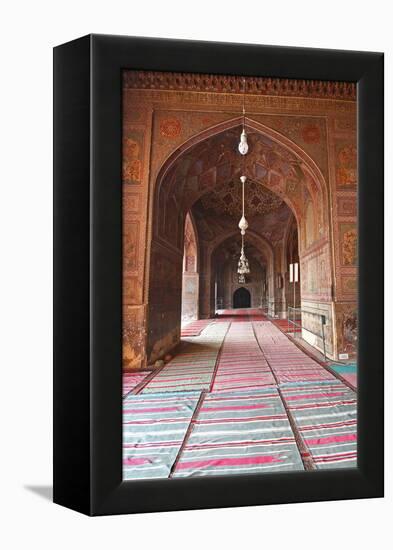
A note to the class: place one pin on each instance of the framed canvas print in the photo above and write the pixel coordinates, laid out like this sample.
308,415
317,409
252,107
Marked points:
218,302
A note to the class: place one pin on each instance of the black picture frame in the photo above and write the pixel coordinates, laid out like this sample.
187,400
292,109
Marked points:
88,274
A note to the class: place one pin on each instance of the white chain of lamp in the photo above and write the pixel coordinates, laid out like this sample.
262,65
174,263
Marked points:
243,267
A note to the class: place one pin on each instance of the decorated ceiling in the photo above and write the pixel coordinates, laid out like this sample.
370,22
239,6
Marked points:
207,180
229,251
215,163
227,199
214,216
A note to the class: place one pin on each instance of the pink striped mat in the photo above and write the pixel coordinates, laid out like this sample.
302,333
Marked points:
287,361
241,365
132,379
239,433
195,327
326,418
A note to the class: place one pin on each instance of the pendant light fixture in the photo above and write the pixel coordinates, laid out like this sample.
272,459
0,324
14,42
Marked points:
243,224
243,267
243,145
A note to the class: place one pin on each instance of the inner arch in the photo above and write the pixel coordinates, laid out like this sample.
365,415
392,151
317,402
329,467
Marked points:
201,178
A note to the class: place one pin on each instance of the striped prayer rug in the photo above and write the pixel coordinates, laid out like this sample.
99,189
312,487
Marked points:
241,363
287,361
132,379
239,433
195,327
325,415
192,369
154,427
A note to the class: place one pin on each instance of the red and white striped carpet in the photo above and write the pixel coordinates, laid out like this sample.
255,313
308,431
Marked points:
194,328
241,364
239,397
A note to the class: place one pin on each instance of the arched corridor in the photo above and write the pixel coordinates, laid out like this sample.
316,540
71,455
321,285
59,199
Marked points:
286,204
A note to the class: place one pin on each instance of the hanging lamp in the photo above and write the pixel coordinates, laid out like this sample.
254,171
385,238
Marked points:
243,224
243,267
243,145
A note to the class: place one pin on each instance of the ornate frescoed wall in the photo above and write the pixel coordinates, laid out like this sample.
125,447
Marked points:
179,146
136,151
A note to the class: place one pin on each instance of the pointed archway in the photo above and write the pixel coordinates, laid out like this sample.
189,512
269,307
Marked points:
201,164
190,282
222,256
241,298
